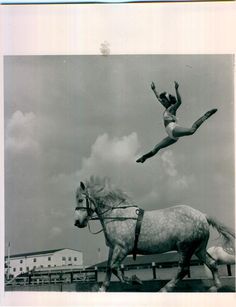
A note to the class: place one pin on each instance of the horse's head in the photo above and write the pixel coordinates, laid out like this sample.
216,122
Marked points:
85,207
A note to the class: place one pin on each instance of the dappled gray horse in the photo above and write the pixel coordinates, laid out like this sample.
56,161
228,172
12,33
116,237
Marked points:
130,230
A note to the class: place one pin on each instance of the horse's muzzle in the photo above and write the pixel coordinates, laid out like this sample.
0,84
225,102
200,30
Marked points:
77,224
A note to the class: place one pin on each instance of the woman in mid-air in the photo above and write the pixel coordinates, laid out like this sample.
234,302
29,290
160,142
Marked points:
174,131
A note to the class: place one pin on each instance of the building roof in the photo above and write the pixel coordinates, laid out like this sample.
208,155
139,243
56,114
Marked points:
45,252
170,257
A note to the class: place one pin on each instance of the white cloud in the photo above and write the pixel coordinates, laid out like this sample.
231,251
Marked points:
169,163
117,149
108,154
21,133
111,157
176,180
115,158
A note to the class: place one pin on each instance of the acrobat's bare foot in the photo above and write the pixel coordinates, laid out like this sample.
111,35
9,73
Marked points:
210,113
202,119
141,160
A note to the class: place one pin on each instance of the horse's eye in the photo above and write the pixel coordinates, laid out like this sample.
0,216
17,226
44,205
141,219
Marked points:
80,200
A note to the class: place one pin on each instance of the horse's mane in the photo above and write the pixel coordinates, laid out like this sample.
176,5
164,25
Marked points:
103,191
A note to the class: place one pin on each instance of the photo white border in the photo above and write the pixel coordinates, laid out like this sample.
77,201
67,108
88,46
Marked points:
157,28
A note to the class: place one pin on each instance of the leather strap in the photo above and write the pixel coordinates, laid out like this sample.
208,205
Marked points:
140,213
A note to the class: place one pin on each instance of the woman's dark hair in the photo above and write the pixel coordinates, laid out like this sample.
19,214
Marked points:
172,99
168,99
163,95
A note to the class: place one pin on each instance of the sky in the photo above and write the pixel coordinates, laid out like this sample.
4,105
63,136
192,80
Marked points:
69,117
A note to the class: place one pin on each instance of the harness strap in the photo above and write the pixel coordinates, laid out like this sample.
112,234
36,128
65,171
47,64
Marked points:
140,213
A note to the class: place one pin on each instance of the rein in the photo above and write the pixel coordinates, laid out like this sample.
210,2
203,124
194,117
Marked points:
100,216
121,218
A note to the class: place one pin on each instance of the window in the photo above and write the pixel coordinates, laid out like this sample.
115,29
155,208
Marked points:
27,269
69,258
21,261
75,258
35,260
21,269
63,258
14,269
49,258
49,265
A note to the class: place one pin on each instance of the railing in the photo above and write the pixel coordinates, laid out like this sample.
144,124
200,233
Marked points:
86,275
67,276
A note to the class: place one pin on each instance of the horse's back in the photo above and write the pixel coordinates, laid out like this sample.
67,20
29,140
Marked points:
176,214
168,227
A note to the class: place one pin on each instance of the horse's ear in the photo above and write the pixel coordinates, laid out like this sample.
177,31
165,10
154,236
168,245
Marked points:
82,185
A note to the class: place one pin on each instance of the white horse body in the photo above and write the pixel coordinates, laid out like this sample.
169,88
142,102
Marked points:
180,228
155,236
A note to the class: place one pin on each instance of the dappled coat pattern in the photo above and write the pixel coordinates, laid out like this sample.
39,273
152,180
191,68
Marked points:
180,228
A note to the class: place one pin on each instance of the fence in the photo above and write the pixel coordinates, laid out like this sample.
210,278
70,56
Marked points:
150,271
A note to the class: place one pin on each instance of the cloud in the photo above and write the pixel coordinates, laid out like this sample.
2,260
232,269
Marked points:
116,150
115,158
176,180
21,134
111,157
169,163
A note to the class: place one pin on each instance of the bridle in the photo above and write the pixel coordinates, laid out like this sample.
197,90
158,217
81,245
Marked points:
101,216
90,211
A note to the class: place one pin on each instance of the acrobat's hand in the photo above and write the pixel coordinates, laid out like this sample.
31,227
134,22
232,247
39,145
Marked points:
141,160
176,85
153,87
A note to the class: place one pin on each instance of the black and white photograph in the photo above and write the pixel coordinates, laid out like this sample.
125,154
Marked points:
77,129
119,172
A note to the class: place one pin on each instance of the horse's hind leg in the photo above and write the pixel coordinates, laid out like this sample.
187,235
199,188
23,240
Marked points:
183,269
211,264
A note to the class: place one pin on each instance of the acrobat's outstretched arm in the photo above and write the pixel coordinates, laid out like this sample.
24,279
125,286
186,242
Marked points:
153,87
179,100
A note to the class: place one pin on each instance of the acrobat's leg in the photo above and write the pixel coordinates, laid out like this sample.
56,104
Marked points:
203,118
179,131
164,143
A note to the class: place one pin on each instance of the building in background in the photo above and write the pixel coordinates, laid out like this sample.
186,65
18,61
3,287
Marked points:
57,258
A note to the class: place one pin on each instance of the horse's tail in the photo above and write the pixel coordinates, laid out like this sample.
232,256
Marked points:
227,234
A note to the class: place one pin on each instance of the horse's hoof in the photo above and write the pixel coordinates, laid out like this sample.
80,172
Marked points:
136,280
163,290
127,280
213,289
95,288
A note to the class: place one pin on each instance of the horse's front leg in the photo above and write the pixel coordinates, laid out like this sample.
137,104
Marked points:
107,279
114,261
